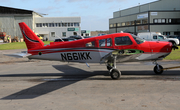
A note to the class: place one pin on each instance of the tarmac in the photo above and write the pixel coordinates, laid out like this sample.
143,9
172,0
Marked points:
52,85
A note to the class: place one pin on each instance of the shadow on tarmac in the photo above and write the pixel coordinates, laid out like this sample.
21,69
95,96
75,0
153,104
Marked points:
51,85
72,75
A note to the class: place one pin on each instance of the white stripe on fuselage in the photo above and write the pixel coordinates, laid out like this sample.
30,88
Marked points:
88,56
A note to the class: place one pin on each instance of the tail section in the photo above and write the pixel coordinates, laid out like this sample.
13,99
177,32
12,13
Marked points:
31,39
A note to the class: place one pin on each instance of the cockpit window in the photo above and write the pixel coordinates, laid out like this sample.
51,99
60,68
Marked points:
137,39
123,41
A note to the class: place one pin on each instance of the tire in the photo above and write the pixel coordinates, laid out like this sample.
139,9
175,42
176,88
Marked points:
115,74
160,71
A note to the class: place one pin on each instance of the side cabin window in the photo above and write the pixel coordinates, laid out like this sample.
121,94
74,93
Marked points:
125,40
105,42
90,44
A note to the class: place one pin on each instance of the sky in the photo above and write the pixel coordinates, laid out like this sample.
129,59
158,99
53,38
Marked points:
95,14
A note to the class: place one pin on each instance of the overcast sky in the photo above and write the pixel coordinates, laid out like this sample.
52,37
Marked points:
95,14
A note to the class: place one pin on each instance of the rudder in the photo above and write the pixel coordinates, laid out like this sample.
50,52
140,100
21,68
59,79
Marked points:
30,38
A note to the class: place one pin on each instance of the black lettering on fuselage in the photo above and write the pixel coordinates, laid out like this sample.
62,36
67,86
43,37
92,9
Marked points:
88,55
76,56
63,56
82,56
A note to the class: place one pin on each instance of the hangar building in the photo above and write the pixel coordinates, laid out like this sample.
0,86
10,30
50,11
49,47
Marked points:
159,16
47,27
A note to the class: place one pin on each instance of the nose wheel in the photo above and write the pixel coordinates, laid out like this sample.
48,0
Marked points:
111,66
158,69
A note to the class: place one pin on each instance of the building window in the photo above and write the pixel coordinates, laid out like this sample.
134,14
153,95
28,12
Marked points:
174,21
72,24
60,24
76,24
159,20
38,24
138,22
123,24
65,24
56,25
144,21
111,25
166,33
114,25
163,20
51,24
64,34
132,23
155,21
118,24
53,34
45,24
127,23
169,20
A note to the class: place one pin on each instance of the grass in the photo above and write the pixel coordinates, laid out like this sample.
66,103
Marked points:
17,45
175,54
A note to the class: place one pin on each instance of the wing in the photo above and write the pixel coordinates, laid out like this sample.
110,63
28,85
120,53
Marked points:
19,55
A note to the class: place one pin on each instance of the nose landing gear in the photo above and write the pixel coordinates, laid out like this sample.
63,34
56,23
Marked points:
158,69
111,66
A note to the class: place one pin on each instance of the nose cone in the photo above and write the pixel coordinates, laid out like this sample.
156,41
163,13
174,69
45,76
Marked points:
160,47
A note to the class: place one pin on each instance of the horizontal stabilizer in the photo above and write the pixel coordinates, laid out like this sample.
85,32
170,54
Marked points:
19,55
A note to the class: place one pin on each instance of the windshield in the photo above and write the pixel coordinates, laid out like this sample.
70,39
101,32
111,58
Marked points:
137,39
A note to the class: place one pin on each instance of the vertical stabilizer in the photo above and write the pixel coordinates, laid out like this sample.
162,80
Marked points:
31,39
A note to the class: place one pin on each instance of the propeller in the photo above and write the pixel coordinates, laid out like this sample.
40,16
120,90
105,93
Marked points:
174,47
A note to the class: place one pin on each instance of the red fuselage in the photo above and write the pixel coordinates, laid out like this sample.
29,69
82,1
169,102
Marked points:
95,48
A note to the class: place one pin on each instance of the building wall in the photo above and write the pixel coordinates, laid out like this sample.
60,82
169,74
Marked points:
9,24
158,10
46,31
160,5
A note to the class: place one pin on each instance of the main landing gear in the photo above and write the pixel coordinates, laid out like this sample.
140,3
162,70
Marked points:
158,69
111,66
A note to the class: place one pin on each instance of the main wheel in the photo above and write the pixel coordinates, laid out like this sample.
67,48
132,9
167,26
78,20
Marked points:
158,71
115,74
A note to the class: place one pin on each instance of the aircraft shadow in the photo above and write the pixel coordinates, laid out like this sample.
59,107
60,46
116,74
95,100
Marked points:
70,76
51,85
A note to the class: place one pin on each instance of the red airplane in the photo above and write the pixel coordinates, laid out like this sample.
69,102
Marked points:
109,49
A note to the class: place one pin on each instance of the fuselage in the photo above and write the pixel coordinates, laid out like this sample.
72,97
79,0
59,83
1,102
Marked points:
125,46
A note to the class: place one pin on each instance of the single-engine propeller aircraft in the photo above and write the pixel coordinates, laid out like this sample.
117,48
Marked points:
109,49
